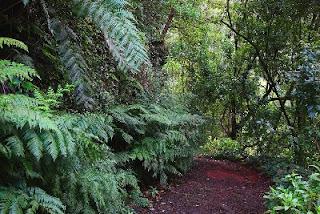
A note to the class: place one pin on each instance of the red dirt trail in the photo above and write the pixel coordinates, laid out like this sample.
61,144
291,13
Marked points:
213,186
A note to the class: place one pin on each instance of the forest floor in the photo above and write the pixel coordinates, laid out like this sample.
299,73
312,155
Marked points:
213,186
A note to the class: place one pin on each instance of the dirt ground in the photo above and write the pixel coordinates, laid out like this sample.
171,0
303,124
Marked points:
213,186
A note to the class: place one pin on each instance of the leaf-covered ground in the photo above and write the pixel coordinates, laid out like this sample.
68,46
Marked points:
215,187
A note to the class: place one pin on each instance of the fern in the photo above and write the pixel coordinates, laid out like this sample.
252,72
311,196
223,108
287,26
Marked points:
51,99
120,32
26,125
10,70
159,154
20,111
28,200
99,187
121,115
12,43
80,159
15,146
168,139
73,62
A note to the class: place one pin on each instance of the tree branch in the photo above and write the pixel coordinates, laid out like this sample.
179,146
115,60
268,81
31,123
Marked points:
168,24
266,70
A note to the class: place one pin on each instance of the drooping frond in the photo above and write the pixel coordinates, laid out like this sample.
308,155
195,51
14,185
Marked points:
94,126
121,35
12,43
14,146
73,62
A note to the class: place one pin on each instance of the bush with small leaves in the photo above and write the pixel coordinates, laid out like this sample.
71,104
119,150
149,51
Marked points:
295,195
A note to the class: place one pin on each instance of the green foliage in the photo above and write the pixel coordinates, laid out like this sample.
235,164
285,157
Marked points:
163,139
11,70
83,171
254,74
295,195
51,99
29,200
98,187
12,43
57,160
73,62
153,192
32,130
121,34
25,125
224,148
278,167
68,155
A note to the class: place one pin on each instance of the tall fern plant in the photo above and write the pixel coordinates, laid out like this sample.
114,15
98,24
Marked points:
23,126
54,162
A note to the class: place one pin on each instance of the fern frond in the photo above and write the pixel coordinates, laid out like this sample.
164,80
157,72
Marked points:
74,64
12,43
122,115
15,145
27,125
10,70
49,203
174,136
34,144
121,34
28,200
5,151
21,111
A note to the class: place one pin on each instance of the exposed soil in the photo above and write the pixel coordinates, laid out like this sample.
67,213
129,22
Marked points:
214,186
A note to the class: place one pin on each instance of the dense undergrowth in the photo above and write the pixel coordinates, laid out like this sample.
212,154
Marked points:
65,149
55,161
101,97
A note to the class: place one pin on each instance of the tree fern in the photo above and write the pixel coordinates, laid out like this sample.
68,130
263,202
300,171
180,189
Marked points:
121,34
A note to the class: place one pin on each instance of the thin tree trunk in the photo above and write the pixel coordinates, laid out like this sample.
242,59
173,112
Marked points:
168,24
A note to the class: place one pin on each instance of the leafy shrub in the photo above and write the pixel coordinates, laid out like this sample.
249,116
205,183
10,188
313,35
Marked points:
222,148
278,167
295,195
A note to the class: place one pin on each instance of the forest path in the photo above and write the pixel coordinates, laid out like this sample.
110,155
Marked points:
213,186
